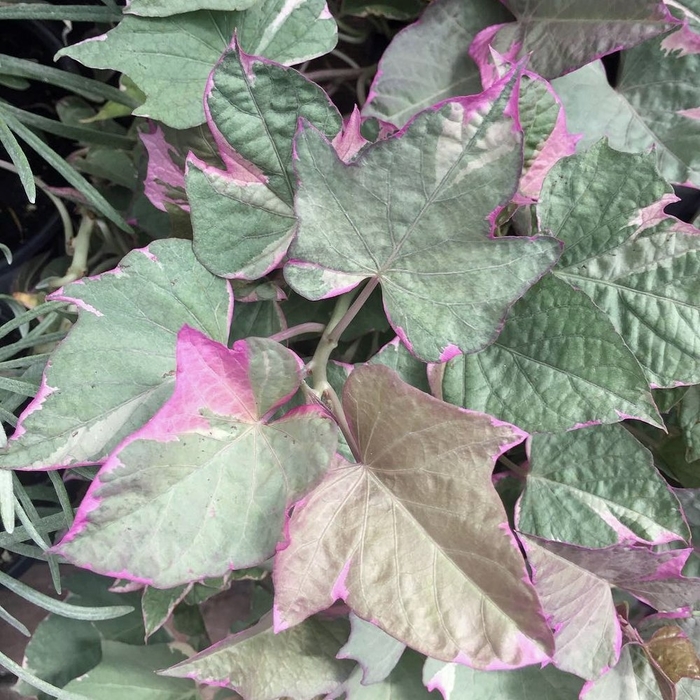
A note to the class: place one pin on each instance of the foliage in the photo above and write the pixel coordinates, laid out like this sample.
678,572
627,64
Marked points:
430,366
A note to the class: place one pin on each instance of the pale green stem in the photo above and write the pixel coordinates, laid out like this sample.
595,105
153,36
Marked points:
79,264
301,329
515,468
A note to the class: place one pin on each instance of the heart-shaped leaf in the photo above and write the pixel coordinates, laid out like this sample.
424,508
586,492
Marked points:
596,487
212,446
253,108
415,537
116,367
435,189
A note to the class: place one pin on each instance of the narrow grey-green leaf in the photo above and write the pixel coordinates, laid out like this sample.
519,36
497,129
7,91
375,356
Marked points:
428,61
17,156
566,365
640,266
596,487
117,365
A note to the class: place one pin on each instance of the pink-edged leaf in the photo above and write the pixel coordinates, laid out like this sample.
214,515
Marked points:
579,607
165,180
214,448
595,487
436,187
298,663
559,36
253,107
414,538
116,367
350,141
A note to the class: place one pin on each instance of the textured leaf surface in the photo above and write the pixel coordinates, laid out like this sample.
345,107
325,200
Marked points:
636,114
116,367
641,267
415,537
210,446
253,108
559,36
565,362
128,673
458,682
689,418
170,58
395,355
298,663
165,8
427,62
596,487
579,606
159,604
375,650
674,653
425,228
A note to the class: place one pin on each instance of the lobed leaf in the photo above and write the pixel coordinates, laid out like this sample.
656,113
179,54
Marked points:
260,665
253,108
213,446
596,487
170,58
435,188
415,537
116,367
637,264
428,62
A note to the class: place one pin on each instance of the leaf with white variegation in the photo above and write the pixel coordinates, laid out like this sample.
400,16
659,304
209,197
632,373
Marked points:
253,108
636,115
298,663
640,266
566,365
436,187
165,8
428,62
116,367
212,446
596,487
415,537
170,58
559,36
458,682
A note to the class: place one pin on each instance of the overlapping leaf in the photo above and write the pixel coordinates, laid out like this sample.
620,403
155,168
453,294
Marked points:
170,58
428,62
298,663
457,682
596,487
636,114
560,36
212,447
415,537
116,368
165,8
689,418
566,366
429,195
639,266
243,217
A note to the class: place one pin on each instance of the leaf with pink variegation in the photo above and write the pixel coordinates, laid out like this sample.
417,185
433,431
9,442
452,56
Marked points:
560,36
414,536
214,448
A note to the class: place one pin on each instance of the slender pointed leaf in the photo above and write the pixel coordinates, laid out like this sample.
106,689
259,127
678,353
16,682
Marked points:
17,156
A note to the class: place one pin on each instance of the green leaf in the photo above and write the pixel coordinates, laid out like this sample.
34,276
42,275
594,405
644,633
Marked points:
253,108
425,228
259,319
120,354
170,58
129,673
559,36
165,8
60,649
213,446
641,267
17,156
458,682
375,650
299,663
395,356
391,9
159,604
636,114
689,418
565,362
415,537
596,487
428,62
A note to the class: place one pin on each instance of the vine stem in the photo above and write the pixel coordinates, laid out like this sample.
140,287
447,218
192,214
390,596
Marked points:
515,468
301,329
